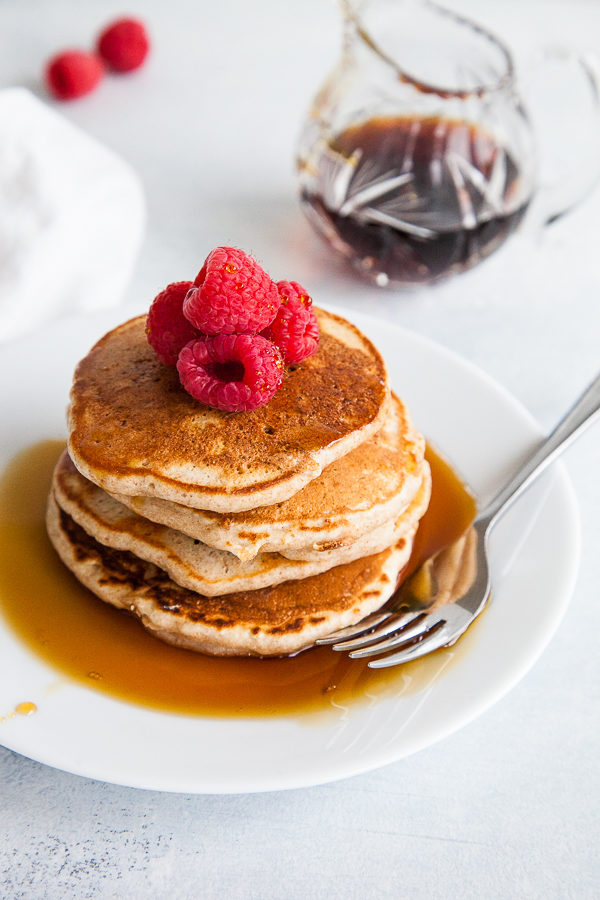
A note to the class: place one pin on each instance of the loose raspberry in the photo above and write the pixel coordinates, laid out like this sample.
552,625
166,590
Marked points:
295,329
73,74
233,372
233,295
124,45
167,328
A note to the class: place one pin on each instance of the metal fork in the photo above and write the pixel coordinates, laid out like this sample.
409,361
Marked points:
436,605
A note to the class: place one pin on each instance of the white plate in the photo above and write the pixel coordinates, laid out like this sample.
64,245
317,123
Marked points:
481,429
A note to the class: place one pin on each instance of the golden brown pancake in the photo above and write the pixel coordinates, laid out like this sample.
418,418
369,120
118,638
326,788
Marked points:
193,564
272,621
353,496
134,430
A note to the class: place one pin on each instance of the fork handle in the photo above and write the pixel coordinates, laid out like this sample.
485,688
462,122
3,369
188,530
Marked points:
583,412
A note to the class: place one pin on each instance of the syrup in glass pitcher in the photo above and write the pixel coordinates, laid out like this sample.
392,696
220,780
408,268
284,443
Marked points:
418,159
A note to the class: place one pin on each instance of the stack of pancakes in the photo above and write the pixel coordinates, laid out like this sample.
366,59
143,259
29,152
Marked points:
239,533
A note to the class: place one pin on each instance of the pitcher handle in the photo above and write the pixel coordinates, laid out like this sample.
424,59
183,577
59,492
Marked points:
570,187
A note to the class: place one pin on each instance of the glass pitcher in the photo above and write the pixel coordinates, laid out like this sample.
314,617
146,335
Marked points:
417,159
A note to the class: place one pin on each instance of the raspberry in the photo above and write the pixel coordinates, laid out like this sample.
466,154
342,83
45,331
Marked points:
167,328
124,45
73,73
233,372
233,295
295,330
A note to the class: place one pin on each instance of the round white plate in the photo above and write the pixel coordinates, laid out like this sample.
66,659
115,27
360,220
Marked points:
478,427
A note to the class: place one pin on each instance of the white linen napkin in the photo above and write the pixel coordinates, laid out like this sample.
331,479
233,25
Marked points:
72,217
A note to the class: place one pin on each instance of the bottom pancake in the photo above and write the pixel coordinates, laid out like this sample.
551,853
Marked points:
273,621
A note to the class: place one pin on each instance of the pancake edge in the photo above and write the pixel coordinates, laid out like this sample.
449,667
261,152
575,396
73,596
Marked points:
172,552
201,638
301,540
137,480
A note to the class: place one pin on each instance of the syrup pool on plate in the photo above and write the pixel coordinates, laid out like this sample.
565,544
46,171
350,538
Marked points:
108,650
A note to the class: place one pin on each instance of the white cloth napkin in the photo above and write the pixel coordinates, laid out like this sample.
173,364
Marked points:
72,217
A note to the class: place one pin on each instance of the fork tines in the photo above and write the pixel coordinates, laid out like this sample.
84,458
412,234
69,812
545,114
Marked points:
388,630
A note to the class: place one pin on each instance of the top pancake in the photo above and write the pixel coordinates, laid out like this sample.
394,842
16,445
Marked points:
134,430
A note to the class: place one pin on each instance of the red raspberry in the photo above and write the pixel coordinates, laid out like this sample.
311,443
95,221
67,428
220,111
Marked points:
234,295
124,45
167,328
234,372
73,73
295,329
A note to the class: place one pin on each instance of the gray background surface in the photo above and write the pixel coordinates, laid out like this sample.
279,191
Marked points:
508,806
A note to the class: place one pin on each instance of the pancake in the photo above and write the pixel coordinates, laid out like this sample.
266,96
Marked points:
193,564
134,430
270,622
369,486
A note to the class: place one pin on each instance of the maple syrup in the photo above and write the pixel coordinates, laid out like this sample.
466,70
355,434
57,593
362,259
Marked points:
26,708
454,195
108,650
